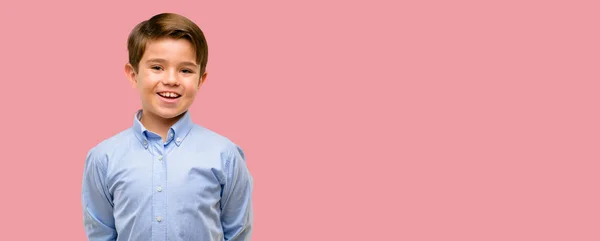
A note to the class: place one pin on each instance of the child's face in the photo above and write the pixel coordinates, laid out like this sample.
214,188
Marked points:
168,77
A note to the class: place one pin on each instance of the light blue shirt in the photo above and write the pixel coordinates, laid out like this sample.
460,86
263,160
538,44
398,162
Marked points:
194,187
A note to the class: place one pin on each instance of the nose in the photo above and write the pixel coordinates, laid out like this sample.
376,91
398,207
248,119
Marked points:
170,78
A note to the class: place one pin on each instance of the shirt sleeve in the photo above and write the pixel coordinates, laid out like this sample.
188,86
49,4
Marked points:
236,202
97,203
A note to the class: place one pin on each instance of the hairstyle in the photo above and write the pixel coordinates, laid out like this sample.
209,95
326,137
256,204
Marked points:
166,25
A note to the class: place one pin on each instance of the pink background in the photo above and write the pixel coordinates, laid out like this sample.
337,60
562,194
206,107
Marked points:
372,120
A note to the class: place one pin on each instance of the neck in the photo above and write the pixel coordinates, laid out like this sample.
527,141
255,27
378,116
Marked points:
158,124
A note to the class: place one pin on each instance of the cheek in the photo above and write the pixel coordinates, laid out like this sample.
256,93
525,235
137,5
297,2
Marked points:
146,84
190,92
146,89
191,87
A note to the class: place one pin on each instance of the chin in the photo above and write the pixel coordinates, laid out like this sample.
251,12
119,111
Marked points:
168,113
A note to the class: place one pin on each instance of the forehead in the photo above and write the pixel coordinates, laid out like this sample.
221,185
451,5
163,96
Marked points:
170,50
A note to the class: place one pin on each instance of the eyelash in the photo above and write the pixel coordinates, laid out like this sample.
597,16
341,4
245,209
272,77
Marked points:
160,68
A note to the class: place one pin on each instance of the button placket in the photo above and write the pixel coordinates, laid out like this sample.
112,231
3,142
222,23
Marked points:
159,182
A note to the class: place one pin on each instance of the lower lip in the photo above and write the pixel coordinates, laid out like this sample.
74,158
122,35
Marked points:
168,100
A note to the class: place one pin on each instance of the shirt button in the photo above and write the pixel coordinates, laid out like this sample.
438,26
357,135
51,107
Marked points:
178,139
159,189
145,142
160,158
159,218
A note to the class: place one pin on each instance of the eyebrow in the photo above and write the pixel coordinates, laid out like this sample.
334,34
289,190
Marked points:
159,60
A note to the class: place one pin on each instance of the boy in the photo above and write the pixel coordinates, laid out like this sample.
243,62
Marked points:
166,178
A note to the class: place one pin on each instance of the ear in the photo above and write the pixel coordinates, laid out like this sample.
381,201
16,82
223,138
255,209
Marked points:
202,79
130,73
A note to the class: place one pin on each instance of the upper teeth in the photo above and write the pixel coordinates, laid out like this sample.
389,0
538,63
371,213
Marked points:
168,94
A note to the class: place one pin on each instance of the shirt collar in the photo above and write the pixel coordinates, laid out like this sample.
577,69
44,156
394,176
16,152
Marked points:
179,130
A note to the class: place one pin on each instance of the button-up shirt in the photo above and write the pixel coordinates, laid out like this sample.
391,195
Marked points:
193,186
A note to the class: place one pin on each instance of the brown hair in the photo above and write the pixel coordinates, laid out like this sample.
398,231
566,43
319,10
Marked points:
168,25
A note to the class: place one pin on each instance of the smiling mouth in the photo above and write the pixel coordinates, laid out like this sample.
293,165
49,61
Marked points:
169,95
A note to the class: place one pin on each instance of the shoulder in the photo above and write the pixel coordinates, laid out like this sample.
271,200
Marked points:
204,137
231,156
99,153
